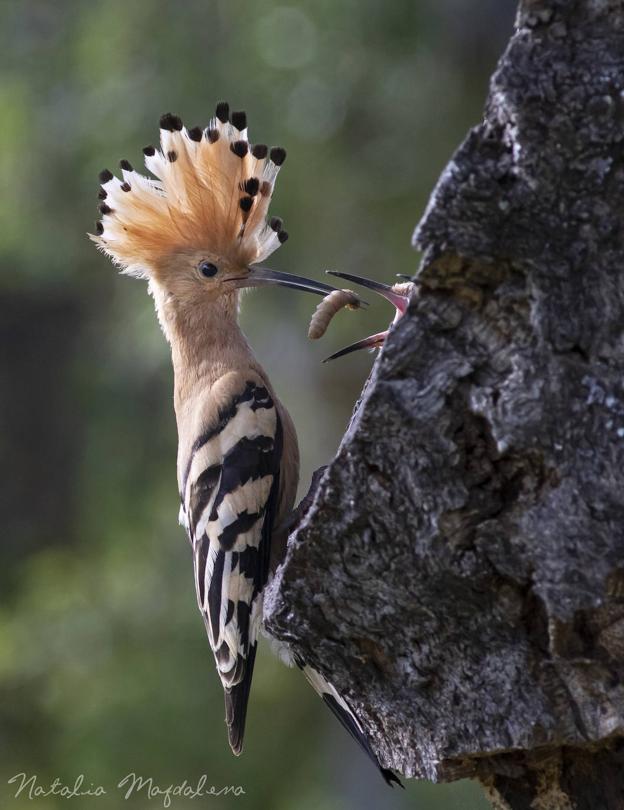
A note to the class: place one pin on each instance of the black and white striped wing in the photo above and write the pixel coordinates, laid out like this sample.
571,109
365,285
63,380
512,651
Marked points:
229,508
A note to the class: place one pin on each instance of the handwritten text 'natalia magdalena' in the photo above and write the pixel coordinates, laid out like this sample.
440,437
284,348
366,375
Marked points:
29,787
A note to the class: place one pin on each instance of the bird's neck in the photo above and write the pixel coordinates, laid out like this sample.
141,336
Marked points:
206,341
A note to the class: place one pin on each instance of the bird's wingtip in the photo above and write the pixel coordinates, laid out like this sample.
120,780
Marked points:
236,700
235,744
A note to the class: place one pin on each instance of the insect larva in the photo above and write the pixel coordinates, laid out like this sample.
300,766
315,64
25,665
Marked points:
328,307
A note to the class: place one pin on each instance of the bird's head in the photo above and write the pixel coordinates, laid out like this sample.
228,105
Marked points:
199,231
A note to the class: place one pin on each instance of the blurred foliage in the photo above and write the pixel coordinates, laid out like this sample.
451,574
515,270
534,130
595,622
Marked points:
104,666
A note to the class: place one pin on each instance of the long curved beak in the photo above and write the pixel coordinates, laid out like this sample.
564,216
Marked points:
262,276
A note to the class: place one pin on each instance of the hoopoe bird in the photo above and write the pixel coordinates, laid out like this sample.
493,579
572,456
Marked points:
197,233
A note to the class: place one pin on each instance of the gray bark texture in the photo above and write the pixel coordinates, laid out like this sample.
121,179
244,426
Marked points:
459,575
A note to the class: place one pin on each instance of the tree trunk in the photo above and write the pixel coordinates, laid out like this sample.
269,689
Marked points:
459,575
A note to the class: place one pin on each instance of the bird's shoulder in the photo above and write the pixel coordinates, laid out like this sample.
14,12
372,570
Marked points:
237,404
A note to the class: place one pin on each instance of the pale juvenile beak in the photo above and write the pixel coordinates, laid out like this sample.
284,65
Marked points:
376,341
262,276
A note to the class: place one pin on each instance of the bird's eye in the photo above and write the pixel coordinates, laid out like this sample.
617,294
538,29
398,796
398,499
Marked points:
208,269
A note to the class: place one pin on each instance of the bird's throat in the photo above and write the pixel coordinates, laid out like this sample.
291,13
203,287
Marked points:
206,342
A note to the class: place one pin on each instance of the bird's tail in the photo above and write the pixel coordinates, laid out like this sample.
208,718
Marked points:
346,717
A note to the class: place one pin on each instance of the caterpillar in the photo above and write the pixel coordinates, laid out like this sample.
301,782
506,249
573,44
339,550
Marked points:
328,307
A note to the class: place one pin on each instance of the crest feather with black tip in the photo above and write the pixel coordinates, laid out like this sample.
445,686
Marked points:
210,191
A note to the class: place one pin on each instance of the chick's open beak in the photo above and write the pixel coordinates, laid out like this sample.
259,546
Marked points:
400,300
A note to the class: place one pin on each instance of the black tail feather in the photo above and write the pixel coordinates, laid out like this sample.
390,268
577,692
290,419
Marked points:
347,721
236,699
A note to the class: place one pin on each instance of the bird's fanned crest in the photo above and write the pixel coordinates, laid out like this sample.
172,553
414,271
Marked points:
212,190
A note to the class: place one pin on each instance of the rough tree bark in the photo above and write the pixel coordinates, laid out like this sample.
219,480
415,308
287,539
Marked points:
460,573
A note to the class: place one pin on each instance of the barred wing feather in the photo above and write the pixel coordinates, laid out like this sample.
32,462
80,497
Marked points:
230,499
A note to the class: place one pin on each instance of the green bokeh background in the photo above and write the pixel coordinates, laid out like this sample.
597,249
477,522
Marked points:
104,664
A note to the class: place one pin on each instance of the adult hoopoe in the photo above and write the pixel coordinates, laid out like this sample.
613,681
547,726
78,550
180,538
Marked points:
197,234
